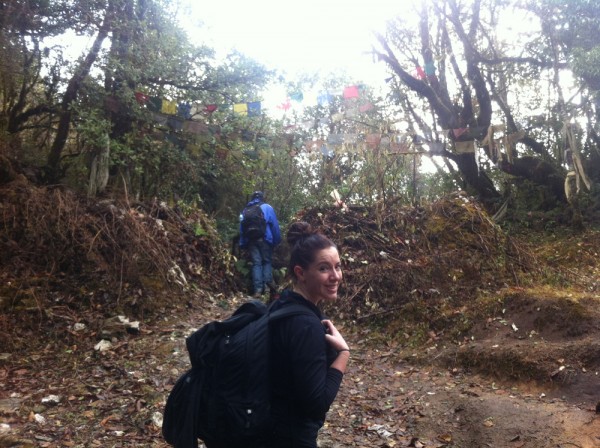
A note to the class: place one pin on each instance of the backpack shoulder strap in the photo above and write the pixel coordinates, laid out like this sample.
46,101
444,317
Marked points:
254,307
294,309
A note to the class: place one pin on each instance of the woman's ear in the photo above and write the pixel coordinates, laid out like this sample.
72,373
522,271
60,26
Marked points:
299,272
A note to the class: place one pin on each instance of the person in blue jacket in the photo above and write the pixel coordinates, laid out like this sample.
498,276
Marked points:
309,356
261,250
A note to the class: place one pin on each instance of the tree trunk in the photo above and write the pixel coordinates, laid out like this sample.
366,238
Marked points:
540,173
99,170
64,124
477,179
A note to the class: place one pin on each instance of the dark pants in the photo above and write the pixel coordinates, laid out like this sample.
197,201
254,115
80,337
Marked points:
261,255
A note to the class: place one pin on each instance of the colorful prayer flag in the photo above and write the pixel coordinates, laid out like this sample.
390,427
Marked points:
168,107
297,96
430,68
351,92
464,147
436,148
240,108
285,106
373,140
175,123
155,103
195,127
324,99
184,110
141,98
254,109
458,132
366,107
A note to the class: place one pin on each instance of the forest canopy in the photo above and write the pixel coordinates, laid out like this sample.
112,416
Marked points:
500,98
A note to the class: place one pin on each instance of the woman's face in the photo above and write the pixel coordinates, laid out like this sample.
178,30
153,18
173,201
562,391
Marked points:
320,281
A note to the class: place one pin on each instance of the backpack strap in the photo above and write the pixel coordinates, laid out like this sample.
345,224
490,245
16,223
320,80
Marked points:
294,309
254,307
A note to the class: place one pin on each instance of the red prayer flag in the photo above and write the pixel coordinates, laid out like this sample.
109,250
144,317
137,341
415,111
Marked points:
351,92
366,107
458,132
373,140
141,98
285,106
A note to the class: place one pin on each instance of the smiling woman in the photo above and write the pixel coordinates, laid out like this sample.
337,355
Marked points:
309,355
313,36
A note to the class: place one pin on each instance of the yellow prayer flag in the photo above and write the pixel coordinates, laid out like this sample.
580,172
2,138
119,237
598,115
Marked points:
241,108
168,107
467,147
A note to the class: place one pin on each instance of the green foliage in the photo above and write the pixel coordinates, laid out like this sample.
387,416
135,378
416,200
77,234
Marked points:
586,62
147,51
434,186
93,128
199,230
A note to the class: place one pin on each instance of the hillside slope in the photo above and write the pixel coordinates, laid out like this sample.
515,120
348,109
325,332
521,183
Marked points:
462,335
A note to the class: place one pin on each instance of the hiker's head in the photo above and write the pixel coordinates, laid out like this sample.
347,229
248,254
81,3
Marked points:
258,195
315,265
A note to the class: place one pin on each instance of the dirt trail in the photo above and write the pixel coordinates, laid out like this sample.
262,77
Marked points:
528,376
115,399
386,402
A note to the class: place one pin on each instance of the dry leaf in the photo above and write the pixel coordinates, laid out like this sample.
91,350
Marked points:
446,438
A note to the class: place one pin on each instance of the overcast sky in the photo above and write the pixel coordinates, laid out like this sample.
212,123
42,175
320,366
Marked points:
312,35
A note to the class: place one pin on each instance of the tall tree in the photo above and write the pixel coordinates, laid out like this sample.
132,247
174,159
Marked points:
481,85
25,26
87,106
74,85
573,27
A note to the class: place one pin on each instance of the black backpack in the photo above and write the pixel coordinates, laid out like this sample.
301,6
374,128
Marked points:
254,224
225,396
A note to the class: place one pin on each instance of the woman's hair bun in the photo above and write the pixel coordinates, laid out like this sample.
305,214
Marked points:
297,231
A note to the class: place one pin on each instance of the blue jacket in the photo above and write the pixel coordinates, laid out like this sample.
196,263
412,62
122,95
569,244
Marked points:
272,233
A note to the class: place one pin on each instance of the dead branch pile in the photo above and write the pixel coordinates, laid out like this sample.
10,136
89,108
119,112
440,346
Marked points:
438,255
53,234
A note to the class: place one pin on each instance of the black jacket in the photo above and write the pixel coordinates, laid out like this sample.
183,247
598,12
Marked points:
303,383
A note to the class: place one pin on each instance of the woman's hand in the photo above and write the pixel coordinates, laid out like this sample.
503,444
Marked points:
334,338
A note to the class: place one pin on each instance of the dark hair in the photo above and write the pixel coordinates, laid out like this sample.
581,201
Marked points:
305,242
258,195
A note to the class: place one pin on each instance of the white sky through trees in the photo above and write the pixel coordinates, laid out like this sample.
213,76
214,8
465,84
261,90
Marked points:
310,36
